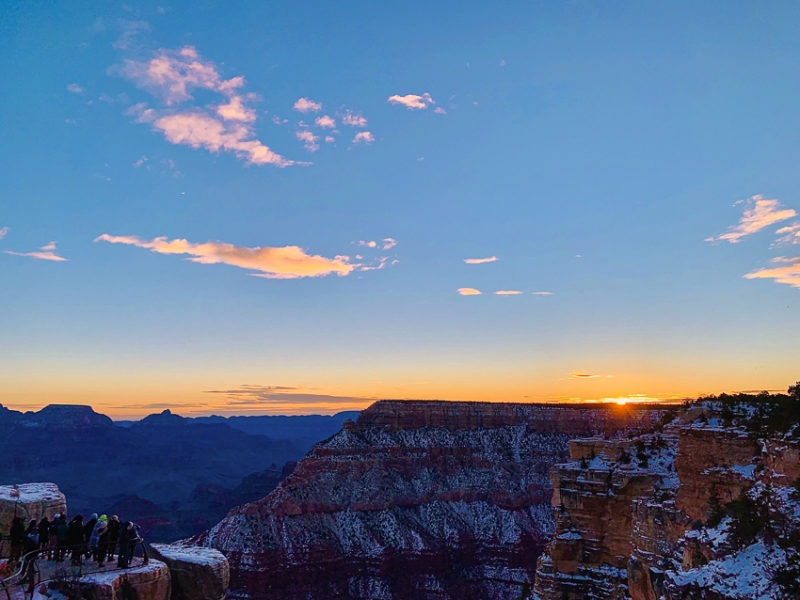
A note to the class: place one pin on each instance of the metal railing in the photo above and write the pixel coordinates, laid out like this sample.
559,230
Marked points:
29,572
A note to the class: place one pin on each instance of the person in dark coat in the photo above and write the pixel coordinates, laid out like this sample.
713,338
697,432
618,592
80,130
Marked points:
44,533
62,538
76,540
113,535
88,528
129,537
17,538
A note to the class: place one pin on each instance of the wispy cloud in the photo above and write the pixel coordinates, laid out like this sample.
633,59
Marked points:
480,261
788,273
288,262
507,293
468,291
789,234
261,396
326,122
309,139
172,76
354,120
439,110
75,88
130,29
542,293
585,375
364,136
412,101
305,105
759,213
4,232
389,243
46,252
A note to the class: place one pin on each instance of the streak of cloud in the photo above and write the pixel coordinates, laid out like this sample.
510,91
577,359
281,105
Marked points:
787,273
288,262
4,232
480,261
260,395
789,234
466,291
759,213
413,101
389,243
542,293
507,293
46,252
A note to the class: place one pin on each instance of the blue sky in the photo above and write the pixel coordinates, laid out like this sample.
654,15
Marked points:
595,149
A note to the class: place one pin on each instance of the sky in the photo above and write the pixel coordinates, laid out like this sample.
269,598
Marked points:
301,207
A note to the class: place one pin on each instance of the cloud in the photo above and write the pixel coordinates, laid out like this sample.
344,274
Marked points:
788,273
412,101
259,396
278,121
288,262
309,139
439,110
759,213
130,29
325,121
173,76
75,88
46,252
582,375
480,261
198,129
468,292
508,293
140,162
371,244
354,120
305,105
542,293
4,232
364,136
789,234
389,243
235,110
329,139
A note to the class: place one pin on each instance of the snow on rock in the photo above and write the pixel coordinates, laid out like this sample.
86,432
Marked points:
147,582
197,573
29,501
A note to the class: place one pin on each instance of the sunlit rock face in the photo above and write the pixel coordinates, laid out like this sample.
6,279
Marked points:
29,501
414,500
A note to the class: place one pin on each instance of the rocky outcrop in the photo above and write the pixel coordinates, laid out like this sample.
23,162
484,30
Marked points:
148,582
197,573
29,501
643,518
417,500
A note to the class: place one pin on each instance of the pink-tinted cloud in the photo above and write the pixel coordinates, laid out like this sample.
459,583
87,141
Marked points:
542,293
789,234
787,273
759,213
199,129
389,243
173,76
309,139
329,139
412,101
288,262
354,120
235,110
370,244
480,261
305,105
468,291
326,122
364,136
508,293
439,110
46,252
75,88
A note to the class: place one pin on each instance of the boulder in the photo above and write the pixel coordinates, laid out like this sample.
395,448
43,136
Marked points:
197,573
147,582
29,501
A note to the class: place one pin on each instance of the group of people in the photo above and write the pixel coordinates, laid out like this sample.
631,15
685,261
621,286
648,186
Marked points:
99,538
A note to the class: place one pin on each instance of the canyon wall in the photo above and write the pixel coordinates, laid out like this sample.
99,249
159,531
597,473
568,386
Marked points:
415,500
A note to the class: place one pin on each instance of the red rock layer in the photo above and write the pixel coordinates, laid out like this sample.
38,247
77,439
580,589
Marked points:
416,500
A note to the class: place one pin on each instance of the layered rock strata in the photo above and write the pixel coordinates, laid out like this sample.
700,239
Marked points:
422,500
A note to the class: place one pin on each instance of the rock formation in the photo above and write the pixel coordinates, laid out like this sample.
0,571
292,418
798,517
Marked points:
148,582
29,501
414,500
197,573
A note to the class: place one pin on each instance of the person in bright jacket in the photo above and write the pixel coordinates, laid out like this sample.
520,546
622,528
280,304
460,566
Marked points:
97,544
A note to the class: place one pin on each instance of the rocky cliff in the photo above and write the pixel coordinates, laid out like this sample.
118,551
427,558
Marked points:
706,508
417,500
